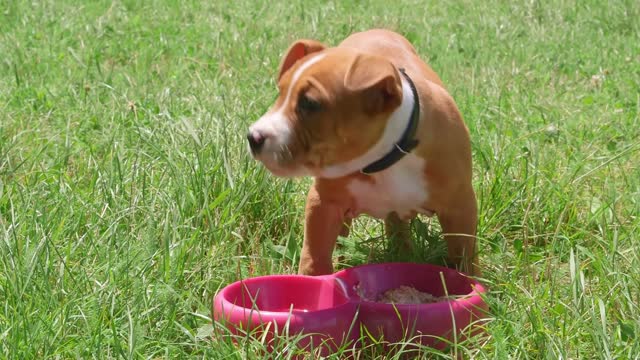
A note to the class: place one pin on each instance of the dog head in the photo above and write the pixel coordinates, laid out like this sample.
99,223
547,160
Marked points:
333,108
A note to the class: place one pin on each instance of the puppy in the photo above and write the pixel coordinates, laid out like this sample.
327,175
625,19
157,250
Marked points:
375,127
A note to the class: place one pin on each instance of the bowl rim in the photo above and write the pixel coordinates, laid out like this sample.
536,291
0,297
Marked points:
221,299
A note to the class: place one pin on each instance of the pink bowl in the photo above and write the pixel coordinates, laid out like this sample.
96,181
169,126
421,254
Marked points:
330,311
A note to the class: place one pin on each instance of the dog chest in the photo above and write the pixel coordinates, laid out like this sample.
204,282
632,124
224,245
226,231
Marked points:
401,188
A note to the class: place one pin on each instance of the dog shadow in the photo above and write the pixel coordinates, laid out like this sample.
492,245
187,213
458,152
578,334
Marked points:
366,245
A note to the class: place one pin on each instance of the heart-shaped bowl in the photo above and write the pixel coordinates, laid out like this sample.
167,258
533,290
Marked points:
332,310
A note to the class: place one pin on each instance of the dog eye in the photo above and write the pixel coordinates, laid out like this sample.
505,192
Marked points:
307,105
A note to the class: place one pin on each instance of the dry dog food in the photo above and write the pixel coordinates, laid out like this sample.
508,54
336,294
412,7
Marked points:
408,295
402,295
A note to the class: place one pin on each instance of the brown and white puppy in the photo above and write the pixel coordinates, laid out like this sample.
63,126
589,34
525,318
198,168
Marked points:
342,109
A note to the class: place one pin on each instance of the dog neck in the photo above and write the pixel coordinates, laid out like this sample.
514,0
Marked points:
396,131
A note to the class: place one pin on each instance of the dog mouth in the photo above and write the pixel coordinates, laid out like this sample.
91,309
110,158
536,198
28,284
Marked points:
285,171
281,151
281,162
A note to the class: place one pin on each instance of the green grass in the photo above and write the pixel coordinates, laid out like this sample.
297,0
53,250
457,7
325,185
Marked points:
127,198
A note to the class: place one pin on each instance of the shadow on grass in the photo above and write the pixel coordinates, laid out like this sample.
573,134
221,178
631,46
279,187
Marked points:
429,246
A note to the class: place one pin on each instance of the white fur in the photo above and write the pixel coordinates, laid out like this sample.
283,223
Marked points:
396,126
275,124
400,188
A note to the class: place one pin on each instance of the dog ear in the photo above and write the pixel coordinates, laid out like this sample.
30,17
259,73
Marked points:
377,79
297,51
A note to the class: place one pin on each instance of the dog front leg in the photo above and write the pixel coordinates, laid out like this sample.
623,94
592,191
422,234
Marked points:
459,227
324,221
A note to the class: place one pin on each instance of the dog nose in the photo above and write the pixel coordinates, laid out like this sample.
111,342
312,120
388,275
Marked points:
256,140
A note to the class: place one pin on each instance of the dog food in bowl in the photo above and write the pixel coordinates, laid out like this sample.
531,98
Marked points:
409,295
403,294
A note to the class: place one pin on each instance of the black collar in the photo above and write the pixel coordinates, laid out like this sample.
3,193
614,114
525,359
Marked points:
406,143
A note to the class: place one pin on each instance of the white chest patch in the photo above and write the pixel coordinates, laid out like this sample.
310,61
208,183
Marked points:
401,188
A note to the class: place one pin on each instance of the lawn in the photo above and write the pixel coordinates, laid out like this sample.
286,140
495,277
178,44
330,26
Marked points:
127,197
